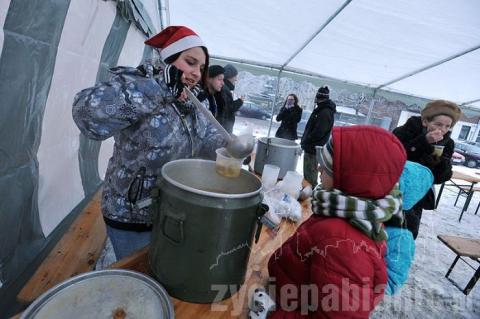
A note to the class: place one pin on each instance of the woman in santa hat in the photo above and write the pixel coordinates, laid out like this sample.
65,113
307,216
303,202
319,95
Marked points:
147,112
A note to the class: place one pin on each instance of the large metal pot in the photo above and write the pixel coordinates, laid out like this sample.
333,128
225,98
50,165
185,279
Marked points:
113,293
277,151
203,228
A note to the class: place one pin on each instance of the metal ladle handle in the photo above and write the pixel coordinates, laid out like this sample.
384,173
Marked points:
235,147
208,114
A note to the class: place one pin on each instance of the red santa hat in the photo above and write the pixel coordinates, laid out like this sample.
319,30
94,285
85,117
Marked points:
174,39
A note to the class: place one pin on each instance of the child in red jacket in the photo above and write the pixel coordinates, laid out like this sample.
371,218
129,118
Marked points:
333,266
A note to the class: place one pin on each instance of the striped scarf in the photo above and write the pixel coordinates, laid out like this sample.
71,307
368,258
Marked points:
365,214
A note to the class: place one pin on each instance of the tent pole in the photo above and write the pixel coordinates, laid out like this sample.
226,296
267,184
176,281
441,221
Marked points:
313,36
430,66
166,8
160,13
370,108
470,102
277,88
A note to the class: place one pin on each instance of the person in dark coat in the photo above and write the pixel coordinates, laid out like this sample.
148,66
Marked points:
214,84
226,104
290,114
316,133
420,135
333,266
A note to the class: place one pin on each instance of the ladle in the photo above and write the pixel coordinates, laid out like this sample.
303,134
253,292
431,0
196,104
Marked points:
237,146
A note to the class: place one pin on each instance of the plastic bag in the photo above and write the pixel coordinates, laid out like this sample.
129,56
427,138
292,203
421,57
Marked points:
283,204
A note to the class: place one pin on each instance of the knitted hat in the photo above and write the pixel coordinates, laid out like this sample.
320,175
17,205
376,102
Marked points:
230,71
173,40
441,107
323,92
215,70
325,157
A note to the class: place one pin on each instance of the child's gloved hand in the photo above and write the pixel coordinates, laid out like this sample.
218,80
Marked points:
173,78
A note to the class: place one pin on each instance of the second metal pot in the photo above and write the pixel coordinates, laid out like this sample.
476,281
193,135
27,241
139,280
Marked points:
277,151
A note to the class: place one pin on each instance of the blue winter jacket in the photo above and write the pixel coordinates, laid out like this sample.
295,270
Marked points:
150,128
415,182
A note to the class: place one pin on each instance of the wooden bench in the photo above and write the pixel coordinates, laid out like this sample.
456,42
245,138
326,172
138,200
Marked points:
463,247
76,252
464,189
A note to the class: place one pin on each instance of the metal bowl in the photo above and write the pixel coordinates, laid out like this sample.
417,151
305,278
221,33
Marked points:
112,293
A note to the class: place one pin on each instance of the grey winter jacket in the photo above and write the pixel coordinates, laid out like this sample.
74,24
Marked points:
150,128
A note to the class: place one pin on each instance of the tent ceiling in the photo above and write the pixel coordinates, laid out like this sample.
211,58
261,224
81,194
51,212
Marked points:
368,42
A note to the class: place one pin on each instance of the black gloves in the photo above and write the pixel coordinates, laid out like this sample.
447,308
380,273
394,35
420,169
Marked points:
173,78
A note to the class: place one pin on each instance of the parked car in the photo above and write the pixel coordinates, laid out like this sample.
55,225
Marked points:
457,158
470,151
250,109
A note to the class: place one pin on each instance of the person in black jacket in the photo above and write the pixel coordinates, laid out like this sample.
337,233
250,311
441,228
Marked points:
317,132
226,104
290,114
420,135
215,83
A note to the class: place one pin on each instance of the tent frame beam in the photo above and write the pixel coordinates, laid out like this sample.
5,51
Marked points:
277,67
430,66
470,102
314,35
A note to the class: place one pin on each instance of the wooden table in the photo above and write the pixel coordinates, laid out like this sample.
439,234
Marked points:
257,274
468,189
463,247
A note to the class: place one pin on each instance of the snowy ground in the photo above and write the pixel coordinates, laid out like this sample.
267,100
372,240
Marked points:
427,294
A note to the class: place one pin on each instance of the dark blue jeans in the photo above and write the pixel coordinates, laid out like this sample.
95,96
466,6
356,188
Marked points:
125,242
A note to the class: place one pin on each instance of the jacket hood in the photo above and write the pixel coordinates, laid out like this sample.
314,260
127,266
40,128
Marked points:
367,160
327,104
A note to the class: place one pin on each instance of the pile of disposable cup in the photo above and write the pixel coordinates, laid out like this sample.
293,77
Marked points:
292,184
270,176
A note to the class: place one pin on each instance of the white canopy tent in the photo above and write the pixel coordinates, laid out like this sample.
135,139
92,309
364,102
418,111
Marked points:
424,48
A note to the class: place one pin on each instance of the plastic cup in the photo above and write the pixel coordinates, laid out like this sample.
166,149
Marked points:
438,150
226,165
292,184
270,176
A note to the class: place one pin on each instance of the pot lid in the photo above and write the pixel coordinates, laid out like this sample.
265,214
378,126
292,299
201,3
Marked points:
112,293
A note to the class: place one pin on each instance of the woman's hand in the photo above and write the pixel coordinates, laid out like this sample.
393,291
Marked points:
173,78
434,136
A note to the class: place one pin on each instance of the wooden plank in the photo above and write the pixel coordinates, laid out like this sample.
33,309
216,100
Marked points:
464,176
462,246
138,261
75,253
